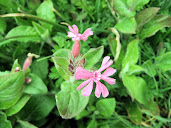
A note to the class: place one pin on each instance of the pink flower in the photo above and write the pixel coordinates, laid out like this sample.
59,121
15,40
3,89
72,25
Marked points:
77,36
96,76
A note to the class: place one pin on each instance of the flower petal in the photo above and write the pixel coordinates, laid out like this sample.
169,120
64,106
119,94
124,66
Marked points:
81,73
105,91
83,84
75,28
108,64
97,90
109,80
70,34
87,32
88,89
109,71
84,38
71,29
105,60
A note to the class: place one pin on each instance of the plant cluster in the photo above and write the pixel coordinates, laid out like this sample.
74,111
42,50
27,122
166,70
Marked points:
56,57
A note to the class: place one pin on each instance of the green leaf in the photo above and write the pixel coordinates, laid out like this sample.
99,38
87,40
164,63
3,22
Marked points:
62,53
146,15
18,106
126,25
163,62
21,34
11,89
132,55
61,65
25,124
38,107
93,56
158,22
4,123
134,112
40,68
113,45
45,11
149,68
152,108
121,8
8,4
82,114
15,65
134,69
136,87
92,123
69,101
3,26
43,33
106,106
137,4
118,45
36,86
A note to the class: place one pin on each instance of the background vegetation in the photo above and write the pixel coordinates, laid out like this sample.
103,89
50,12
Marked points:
135,33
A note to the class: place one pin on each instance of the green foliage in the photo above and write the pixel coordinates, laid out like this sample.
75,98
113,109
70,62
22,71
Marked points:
45,10
38,107
69,101
126,25
4,123
106,106
93,56
18,106
134,112
135,33
11,88
163,62
36,86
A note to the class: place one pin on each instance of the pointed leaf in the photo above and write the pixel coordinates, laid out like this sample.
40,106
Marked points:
4,123
18,106
146,15
45,11
132,54
106,106
149,68
22,34
158,22
69,101
134,112
11,89
163,62
93,56
137,88
121,8
37,108
126,25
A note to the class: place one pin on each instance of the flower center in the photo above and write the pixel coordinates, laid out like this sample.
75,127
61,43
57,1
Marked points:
96,76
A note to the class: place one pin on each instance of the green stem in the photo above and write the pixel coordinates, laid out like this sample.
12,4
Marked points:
31,17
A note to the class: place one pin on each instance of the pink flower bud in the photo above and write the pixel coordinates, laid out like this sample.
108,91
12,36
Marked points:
27,63
17,69
27,80
76,48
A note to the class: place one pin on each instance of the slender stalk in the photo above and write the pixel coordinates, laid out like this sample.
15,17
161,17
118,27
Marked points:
31,17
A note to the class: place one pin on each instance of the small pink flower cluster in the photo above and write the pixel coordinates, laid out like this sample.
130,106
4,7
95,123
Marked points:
93,76
76,36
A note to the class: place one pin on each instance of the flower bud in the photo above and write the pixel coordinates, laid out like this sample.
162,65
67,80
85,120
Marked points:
76,49
28,61
27,80
17,69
